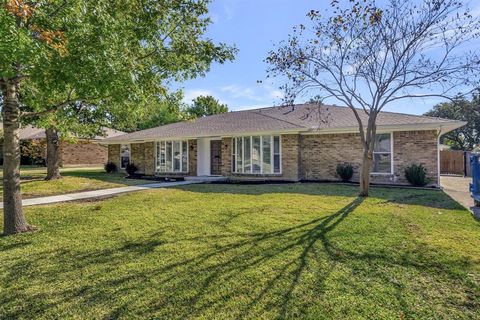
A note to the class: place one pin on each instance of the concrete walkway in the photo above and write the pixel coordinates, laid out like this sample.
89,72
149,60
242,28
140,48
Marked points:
100,193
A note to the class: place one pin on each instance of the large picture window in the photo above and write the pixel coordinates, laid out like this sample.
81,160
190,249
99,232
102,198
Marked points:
256,155
382,154
172,156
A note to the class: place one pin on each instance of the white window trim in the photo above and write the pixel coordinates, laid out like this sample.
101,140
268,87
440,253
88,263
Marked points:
391,157
129,157
170,170
272,164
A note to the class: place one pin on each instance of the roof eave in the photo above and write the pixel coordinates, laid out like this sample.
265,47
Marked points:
223,135
444,127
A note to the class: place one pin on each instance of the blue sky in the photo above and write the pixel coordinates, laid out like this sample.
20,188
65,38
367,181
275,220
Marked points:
254,27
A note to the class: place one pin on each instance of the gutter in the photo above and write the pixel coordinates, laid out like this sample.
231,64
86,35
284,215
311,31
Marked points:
222,135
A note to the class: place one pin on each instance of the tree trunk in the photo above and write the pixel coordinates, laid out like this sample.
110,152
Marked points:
13,217
53,154
368,142
365,173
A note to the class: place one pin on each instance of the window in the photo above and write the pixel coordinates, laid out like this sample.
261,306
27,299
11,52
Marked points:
276,154
124,155
382,154
172,156
256,155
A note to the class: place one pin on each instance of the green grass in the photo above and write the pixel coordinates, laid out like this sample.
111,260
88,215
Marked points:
74,180
228,251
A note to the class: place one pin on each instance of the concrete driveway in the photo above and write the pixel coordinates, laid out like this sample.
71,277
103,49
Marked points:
457,188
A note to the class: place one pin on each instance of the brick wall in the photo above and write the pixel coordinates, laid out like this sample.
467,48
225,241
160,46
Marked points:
143,156
149,163
83,153
415,147
310,157
226,157
114,154
137,156
192,157
320,155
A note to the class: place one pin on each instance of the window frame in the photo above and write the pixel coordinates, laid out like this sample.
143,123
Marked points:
391,156
235,169
172,156
129,154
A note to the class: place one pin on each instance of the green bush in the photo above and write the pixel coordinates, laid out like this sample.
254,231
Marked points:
131,169
110,167
345,171
416,174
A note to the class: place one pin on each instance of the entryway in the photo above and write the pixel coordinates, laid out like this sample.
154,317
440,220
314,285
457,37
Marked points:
209,156
215,157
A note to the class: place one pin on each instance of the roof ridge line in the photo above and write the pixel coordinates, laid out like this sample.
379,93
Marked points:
272,117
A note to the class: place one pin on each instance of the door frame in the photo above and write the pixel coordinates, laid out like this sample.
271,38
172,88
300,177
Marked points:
220,154
204,156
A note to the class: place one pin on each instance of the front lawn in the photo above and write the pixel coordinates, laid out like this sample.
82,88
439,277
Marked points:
74,180
228,251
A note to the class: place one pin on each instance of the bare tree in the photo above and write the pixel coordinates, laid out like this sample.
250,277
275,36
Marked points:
367,57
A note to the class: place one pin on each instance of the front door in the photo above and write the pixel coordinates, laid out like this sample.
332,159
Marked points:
215,157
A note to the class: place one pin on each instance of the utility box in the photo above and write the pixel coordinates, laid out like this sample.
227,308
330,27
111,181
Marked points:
475,185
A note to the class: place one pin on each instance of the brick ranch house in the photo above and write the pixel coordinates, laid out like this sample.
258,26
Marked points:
83,152
302,142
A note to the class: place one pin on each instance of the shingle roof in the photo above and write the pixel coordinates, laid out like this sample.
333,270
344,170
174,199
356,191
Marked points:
30,132
299,118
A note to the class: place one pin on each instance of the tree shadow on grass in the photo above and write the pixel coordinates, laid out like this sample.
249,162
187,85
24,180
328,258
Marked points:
264,270
408,196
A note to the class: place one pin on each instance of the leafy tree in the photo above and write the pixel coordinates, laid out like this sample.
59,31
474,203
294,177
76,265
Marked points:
368,55
466,138
77,120
205,106
161,111
116,53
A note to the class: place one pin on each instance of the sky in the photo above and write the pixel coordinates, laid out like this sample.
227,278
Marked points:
254,26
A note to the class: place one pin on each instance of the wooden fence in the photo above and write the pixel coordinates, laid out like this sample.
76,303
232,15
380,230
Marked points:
452,162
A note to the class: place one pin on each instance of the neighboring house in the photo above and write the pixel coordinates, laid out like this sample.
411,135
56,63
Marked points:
302,142
83,152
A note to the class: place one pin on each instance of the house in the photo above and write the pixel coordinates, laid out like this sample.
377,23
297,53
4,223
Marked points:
294,143
82,152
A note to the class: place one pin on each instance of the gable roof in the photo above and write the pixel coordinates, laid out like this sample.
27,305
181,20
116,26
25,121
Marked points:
30,132
285,119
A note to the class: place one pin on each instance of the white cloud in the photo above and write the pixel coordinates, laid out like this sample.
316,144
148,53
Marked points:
237,91
189,95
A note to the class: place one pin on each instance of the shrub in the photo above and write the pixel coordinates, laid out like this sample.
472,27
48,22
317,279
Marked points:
345,171
131,169
416,174
110,167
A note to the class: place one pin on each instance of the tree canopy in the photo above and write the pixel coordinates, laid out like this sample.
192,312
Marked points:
205,106
118,54
466,138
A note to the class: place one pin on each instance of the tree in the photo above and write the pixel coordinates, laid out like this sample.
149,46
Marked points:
119,53
466,138
160,111
77,120
368,56
205,106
